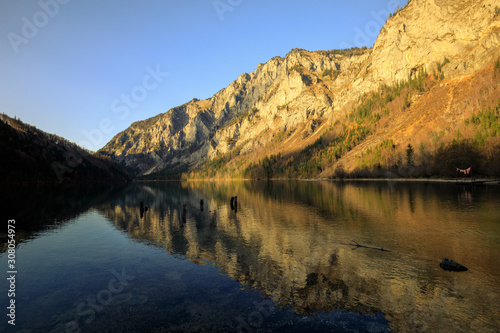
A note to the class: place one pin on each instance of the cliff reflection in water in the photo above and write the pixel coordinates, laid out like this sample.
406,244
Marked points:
286,240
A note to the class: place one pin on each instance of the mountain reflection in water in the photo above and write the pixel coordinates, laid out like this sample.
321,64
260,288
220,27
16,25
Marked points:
287,239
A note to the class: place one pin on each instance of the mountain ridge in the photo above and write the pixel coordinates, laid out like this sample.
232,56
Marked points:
307,92
34,156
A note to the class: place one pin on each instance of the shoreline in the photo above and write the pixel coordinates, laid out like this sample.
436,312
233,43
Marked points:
478,181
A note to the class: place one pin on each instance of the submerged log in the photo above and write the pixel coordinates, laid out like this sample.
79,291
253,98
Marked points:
450,265
357,245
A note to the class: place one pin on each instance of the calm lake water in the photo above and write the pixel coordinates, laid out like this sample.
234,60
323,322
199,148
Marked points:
88,259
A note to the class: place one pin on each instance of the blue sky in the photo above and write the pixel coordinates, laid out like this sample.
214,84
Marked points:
86,70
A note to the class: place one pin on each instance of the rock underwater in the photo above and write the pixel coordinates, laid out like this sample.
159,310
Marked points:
450,265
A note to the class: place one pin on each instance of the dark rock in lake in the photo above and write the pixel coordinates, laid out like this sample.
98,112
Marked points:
450,265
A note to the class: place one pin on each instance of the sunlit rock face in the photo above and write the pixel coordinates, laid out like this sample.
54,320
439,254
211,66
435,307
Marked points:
306,91
427,31
279,95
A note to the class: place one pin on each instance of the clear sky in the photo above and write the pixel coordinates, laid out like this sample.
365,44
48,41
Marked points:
87,69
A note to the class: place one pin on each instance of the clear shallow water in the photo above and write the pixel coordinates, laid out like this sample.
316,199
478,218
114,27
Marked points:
88,260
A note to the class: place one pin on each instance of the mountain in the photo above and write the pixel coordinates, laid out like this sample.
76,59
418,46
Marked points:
288,118
33,156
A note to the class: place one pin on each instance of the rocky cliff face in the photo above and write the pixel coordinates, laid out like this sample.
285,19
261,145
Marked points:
427,31
306,91
277,96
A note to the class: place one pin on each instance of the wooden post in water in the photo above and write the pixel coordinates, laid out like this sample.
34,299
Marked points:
201,205
184,213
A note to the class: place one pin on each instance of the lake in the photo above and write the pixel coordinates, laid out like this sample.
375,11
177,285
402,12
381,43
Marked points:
283,258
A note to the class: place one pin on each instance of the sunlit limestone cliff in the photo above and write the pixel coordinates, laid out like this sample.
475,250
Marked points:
281,94
287,104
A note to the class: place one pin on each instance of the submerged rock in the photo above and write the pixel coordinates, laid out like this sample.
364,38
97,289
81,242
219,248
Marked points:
450,265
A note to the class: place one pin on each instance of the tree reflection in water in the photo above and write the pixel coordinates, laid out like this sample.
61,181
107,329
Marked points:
286,241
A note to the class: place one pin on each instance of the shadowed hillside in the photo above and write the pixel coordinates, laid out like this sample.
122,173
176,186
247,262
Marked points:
32,155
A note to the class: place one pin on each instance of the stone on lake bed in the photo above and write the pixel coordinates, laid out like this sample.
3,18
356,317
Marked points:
450,265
